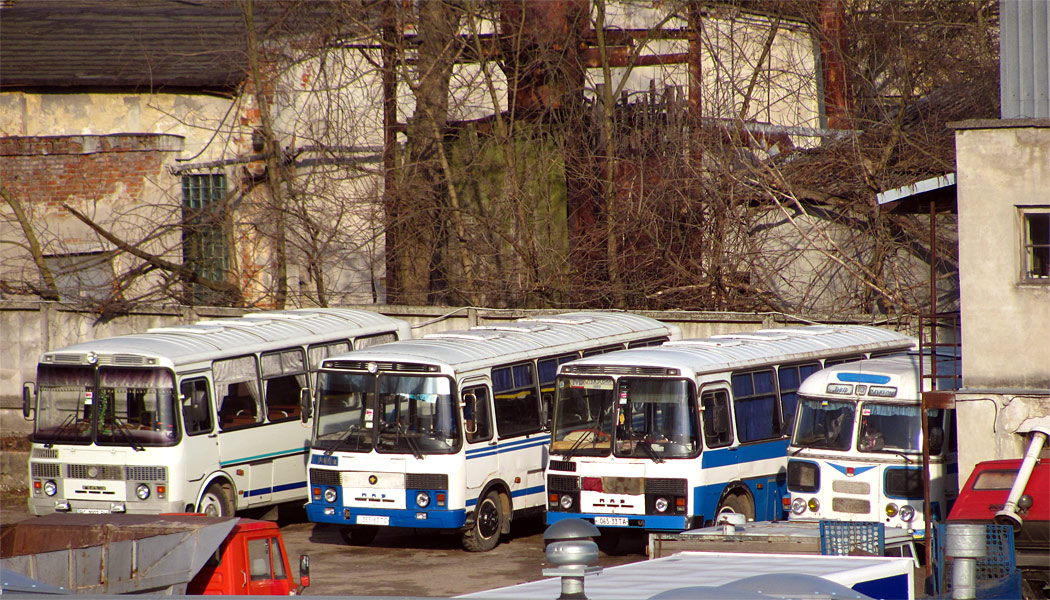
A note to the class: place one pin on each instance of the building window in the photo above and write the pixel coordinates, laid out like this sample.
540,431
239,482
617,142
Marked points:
1035,263
82,276
204,247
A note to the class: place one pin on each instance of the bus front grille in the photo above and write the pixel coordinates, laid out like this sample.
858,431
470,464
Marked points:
563,465
324,477
854,506
675,487
49,470
147,474
108,472
426,481
563,483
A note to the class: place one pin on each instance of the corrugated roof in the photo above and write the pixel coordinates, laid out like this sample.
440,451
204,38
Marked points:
141,45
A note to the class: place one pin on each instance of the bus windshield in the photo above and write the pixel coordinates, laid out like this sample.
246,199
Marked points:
134,407
824,424
657,419
583,416
897,429
357,412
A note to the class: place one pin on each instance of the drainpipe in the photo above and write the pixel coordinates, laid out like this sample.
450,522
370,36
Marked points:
1008,515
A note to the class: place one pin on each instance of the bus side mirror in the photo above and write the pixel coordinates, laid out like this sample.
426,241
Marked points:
305,404
28,400
304,572
470,409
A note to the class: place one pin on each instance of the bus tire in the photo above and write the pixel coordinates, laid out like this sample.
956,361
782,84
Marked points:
359,535
217,501
484,534
738,503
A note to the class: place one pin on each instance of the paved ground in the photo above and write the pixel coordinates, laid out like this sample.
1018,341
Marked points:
404,563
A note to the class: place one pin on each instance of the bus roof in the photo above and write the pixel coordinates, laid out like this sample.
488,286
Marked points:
209,339
899,372
528,338
733,351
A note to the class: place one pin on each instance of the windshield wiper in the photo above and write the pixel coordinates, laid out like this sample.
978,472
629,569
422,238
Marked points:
61,429
124,431
644,445
413,445
342,439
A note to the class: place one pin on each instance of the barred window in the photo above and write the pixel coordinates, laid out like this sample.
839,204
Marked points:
204,247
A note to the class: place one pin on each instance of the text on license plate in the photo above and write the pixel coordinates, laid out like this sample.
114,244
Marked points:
91,511
615,521
372,520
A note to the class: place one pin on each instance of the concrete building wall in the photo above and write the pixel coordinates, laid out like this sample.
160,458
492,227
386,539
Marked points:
1003,168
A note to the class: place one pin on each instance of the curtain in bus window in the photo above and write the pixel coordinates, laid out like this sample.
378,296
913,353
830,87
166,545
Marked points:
284,376
316,354
237,388
897,427
136,406
65,397
756,411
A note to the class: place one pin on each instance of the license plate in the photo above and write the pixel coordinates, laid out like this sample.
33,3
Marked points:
91,511
372,520
611,521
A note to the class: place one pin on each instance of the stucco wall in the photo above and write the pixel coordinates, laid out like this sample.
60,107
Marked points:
1001,166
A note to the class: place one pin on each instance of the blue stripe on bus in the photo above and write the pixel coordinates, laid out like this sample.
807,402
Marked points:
538,489
268,455
724,457
510,447
277,488
862,378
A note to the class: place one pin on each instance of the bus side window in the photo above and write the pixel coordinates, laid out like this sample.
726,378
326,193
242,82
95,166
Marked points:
284,376
755,399
196,406
477,422
717,432
237,391
548,369
516,401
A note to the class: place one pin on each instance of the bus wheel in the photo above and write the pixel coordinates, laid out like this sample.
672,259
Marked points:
217,501
737,503
488,521
361,535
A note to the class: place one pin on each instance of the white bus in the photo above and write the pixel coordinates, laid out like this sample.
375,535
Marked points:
449,431
856,451
206,417
666,438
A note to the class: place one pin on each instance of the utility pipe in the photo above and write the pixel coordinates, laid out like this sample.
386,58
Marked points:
1008,515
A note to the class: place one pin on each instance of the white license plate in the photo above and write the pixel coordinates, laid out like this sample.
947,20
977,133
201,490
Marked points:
611,521
372,520
91,511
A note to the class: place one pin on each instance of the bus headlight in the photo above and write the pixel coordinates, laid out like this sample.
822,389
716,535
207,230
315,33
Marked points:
814,505
798,506
565,501
422,499
891,510
661,504
142,491
50,488
907,513
329,494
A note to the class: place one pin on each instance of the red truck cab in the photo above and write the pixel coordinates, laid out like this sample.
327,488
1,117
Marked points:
251,561
985,494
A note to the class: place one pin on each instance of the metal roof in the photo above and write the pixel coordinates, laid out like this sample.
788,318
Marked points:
901,371
560,333
205,340
722,352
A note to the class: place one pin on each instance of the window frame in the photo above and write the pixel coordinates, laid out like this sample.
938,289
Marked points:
1034,251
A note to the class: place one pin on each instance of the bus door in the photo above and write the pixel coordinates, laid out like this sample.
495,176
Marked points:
200,442
482,456
244,451
519,427
719,460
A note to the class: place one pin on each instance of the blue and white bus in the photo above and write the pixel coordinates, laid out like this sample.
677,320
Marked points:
856,450
211,417
449,432
666,438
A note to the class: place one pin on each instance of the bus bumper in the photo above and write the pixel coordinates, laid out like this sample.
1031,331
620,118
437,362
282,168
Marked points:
673,523
319,512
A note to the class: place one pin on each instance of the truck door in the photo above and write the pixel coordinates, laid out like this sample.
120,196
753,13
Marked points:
267,567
